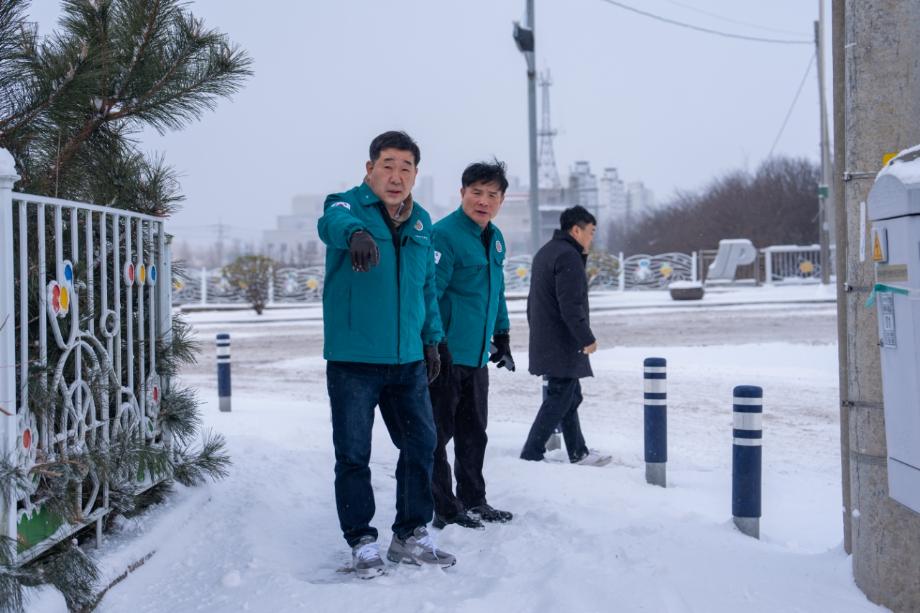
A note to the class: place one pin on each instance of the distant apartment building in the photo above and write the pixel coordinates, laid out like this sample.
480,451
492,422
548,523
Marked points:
514,221
293,240
640,200
611,195
583,189
423,192
611,204
609,199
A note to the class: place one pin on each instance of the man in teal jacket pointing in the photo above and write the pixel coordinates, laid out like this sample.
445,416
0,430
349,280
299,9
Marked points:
469,256
381,329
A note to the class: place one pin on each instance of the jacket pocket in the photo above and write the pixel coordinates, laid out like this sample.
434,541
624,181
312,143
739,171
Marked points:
415,252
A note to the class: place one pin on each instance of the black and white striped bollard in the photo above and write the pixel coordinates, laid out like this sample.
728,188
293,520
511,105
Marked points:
223,371
656,421
747,436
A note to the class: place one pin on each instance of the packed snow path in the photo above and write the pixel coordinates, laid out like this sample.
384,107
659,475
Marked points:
583,539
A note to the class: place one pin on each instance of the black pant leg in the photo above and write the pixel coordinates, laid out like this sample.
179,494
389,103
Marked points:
445,395
571,428
470,438
558,402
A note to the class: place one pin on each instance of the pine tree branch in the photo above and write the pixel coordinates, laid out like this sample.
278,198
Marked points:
141,49
235,67
221,74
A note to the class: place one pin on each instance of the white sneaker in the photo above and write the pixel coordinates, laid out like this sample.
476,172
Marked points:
366,560
419,549
595,458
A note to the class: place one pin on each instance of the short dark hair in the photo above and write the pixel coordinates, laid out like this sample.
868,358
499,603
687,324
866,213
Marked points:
394,139
576,216
485,172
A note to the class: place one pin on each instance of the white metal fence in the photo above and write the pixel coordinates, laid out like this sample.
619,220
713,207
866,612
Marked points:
779,264
85,297
290,285
793,263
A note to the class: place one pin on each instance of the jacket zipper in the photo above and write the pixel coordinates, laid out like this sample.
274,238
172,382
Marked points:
394,234
485,330
397,244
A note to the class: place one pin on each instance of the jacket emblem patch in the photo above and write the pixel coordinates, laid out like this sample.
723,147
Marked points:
419,225
342,204
498,246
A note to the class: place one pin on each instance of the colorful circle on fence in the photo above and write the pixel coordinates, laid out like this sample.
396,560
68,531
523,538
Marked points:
312,283
26,438
129,273
58,299
64,299
806,267
153,389
152,274
141,274
67,272
521,272
666,270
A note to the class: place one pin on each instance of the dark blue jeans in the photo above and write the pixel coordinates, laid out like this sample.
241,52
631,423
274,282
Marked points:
560,407
401,391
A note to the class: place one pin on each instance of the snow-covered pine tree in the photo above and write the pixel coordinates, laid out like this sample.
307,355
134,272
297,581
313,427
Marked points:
70,105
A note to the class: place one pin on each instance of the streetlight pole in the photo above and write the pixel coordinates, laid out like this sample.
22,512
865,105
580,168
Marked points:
524,39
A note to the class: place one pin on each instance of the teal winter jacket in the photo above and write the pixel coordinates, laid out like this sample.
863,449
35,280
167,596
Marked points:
385,315
471,286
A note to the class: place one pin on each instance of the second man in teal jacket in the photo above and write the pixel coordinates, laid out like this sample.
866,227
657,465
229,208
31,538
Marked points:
469,254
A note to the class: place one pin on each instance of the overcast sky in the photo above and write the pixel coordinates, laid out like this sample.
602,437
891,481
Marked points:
666,105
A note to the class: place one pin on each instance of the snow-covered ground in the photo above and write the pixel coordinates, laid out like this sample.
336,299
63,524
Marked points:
583,539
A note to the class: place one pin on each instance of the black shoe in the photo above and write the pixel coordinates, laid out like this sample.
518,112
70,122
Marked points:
487,513
462,519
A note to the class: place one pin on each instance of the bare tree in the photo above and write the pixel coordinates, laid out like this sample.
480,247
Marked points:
778,204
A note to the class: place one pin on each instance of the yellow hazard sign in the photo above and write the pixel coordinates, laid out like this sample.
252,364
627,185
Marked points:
879,245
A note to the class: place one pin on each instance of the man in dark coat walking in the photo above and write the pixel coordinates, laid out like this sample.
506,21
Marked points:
560,335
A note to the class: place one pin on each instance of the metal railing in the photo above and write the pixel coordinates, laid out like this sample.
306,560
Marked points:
86,297
779,264
793,264
658,271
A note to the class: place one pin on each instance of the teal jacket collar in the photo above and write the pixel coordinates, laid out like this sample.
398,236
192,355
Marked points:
366,195
471,225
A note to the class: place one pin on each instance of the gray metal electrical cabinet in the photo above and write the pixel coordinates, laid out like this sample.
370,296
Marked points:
894,210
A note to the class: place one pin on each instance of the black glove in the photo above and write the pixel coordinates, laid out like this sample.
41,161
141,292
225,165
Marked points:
501,352
364,251
447,360
432,362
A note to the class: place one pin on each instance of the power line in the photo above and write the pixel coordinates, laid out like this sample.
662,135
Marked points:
682,24
791,106
730,20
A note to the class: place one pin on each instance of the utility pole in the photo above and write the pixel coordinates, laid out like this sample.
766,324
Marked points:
880,98
840,259
220,243
824,188
524,38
